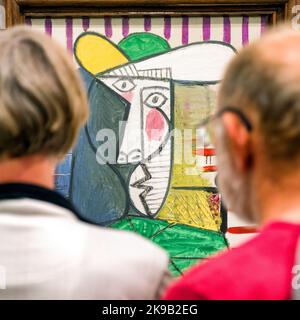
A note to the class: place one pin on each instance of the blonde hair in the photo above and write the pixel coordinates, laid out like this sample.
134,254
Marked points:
42,100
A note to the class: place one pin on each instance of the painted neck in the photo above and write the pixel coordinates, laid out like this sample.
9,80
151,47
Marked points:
37,170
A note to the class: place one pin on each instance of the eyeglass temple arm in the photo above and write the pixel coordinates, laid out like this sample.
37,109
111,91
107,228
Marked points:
239,113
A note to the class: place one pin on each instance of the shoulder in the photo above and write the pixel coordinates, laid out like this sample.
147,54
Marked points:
128,244
259,269
137,263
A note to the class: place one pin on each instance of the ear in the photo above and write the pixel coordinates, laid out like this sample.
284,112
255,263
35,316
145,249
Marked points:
240,141
97,54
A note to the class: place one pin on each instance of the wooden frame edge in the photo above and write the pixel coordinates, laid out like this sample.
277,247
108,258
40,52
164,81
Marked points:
17,10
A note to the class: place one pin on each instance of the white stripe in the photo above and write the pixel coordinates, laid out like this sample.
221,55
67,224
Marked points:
216,30
254,28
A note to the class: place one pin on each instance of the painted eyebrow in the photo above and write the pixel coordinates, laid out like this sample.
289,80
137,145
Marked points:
159,74
160,88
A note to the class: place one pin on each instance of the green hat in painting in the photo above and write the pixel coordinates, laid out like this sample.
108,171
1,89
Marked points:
142,45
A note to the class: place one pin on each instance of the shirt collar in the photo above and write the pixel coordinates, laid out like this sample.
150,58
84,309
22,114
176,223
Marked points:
13,191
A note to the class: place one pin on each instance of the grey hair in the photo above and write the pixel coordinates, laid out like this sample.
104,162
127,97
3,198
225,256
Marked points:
268,87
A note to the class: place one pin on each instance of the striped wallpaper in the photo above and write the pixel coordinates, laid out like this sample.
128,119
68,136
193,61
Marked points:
177,30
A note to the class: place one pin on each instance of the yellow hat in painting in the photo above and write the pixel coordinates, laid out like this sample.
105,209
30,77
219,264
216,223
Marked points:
97,54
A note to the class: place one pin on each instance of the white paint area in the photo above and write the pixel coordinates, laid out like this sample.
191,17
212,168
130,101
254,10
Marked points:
199,62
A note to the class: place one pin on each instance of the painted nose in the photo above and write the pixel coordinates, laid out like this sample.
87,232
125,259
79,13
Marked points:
122,158
135,155
131,157
131,146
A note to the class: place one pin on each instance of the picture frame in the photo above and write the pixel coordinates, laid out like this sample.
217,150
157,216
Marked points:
18,10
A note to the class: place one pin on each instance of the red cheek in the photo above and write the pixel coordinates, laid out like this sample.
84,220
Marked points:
128,95
155,125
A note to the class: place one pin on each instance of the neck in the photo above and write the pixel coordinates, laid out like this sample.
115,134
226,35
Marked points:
37,170
280,200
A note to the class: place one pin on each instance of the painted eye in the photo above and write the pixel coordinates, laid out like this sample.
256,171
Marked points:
124,85
155,100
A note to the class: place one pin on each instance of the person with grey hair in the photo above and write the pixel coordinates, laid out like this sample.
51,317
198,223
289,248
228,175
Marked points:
257,136
46,250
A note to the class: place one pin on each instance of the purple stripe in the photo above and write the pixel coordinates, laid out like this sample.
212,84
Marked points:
185,30
226,30
28,21
69,33
108,27
263,23
206,28
167,27
245,30
125,26
147,23
85,23
48,26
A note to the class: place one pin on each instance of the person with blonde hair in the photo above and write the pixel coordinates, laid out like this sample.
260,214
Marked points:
46,250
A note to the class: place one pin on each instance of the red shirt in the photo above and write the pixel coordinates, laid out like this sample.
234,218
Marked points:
259,269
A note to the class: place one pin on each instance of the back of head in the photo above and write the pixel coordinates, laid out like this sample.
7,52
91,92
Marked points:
258,144
263,81
42,100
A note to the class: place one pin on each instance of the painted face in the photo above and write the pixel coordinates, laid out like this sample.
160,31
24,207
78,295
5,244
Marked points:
147,126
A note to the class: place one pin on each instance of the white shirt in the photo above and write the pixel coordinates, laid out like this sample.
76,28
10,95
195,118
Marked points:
46,252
